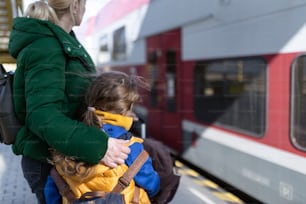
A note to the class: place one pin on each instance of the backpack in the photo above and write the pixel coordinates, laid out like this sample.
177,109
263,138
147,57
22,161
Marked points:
164,164
9,124
96,197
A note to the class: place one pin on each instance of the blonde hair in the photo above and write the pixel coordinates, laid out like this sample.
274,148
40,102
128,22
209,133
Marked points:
51,10
63,6
41,10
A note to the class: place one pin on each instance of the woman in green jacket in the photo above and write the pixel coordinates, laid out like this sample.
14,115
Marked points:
49,85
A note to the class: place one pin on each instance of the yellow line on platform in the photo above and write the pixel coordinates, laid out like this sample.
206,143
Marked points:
212,186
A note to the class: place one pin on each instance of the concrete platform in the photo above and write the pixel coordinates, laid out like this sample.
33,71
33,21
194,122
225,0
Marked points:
13,187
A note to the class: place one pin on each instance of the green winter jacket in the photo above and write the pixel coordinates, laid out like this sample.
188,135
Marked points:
50,81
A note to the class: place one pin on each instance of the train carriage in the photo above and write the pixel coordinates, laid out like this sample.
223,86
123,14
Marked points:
227,82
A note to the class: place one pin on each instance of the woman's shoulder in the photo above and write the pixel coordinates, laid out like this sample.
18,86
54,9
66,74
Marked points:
42,48
45,42
31,34
42,31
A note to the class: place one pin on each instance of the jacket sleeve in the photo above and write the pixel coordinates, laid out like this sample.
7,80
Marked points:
146,177
47,106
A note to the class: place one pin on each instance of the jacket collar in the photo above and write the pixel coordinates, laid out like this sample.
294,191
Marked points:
115,119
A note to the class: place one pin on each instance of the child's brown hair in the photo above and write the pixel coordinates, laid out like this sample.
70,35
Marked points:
113,92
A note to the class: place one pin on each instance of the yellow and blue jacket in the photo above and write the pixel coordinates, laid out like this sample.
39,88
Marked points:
103,178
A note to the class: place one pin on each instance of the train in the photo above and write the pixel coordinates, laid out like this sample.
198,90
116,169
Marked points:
227,84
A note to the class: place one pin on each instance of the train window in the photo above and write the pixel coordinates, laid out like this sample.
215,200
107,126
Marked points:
298,101
171,80
153,79
232,93
103,55
119,44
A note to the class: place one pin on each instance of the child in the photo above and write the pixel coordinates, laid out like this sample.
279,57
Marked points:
110,99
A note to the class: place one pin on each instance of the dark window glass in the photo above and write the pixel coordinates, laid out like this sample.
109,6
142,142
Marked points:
232,93
298,105
153,76
119,44
171,80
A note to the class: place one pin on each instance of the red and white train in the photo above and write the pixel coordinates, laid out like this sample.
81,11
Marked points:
228,84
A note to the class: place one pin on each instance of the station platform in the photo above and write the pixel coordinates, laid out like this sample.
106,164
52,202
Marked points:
15,190
13,187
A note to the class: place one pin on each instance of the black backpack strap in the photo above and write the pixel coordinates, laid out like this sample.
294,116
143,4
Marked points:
9,123
3,72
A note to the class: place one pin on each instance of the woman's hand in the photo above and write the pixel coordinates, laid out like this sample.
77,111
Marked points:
116,153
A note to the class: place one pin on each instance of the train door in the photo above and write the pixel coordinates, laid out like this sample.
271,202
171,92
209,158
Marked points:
164,60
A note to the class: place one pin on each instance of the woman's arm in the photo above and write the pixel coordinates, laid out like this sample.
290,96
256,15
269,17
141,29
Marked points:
47,106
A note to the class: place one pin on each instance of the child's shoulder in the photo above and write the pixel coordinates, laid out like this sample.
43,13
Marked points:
135,139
